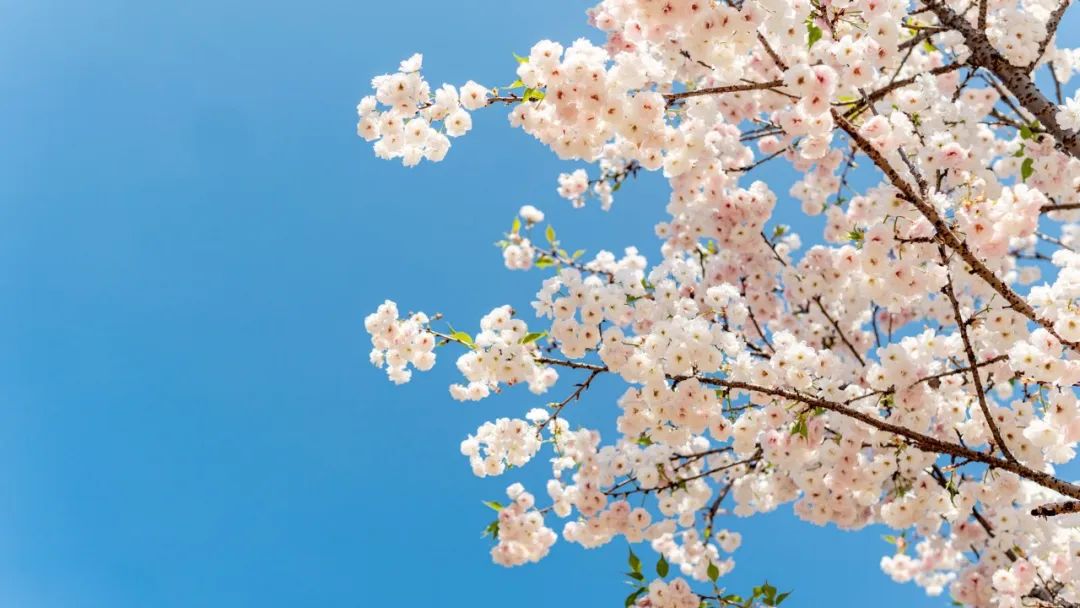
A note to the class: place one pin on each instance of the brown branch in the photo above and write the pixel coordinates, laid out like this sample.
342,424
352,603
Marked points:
1059,207
879,94
1051,27
918,440
1015,78
945,234
581,388
972,360
839,331
1056,508
673,98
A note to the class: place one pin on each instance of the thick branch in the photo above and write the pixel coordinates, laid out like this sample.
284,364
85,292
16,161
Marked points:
920,441
730,88
945,234
972,360
1015,78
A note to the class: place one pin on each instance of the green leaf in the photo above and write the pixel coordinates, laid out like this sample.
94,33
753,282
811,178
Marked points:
662,567
517,84
491,530
768,590
800,428
637,576
577,254
633,597
1027,168
516,226
493,504
780,598
533,95
1025,132
550,234
533,337
928,46
545,262
635,563
464,338
521,59
713,572
644,441
813,34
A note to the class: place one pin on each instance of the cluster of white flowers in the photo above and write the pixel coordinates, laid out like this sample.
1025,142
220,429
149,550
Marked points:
499,444
398,343
915,367
501,356
403,115
522,534
676,594
1068,114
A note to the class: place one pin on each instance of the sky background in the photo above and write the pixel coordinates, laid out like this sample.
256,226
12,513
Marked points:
190,237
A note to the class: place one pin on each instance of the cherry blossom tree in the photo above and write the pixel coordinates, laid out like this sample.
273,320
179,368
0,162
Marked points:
917,370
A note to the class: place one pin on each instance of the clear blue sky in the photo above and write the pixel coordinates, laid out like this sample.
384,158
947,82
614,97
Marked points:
190,236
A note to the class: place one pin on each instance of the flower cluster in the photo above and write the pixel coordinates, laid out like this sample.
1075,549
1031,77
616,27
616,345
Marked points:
398,343
522,535
500,444
501,355
915,365
403,116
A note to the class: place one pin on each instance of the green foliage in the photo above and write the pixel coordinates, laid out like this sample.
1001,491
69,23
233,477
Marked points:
464,338
800,428
550,234
493,505
662,567
545,261
533,337
491,530
1027,168
813,33
634,562
713,572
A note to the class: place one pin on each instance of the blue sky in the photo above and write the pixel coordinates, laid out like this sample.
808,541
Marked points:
190,236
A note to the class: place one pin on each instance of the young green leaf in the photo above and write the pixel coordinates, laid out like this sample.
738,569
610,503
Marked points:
635,563
813,34
550,234
464,338
662,567
713,572
1027,168
533,337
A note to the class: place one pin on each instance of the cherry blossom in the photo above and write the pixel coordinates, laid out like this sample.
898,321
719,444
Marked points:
914,365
